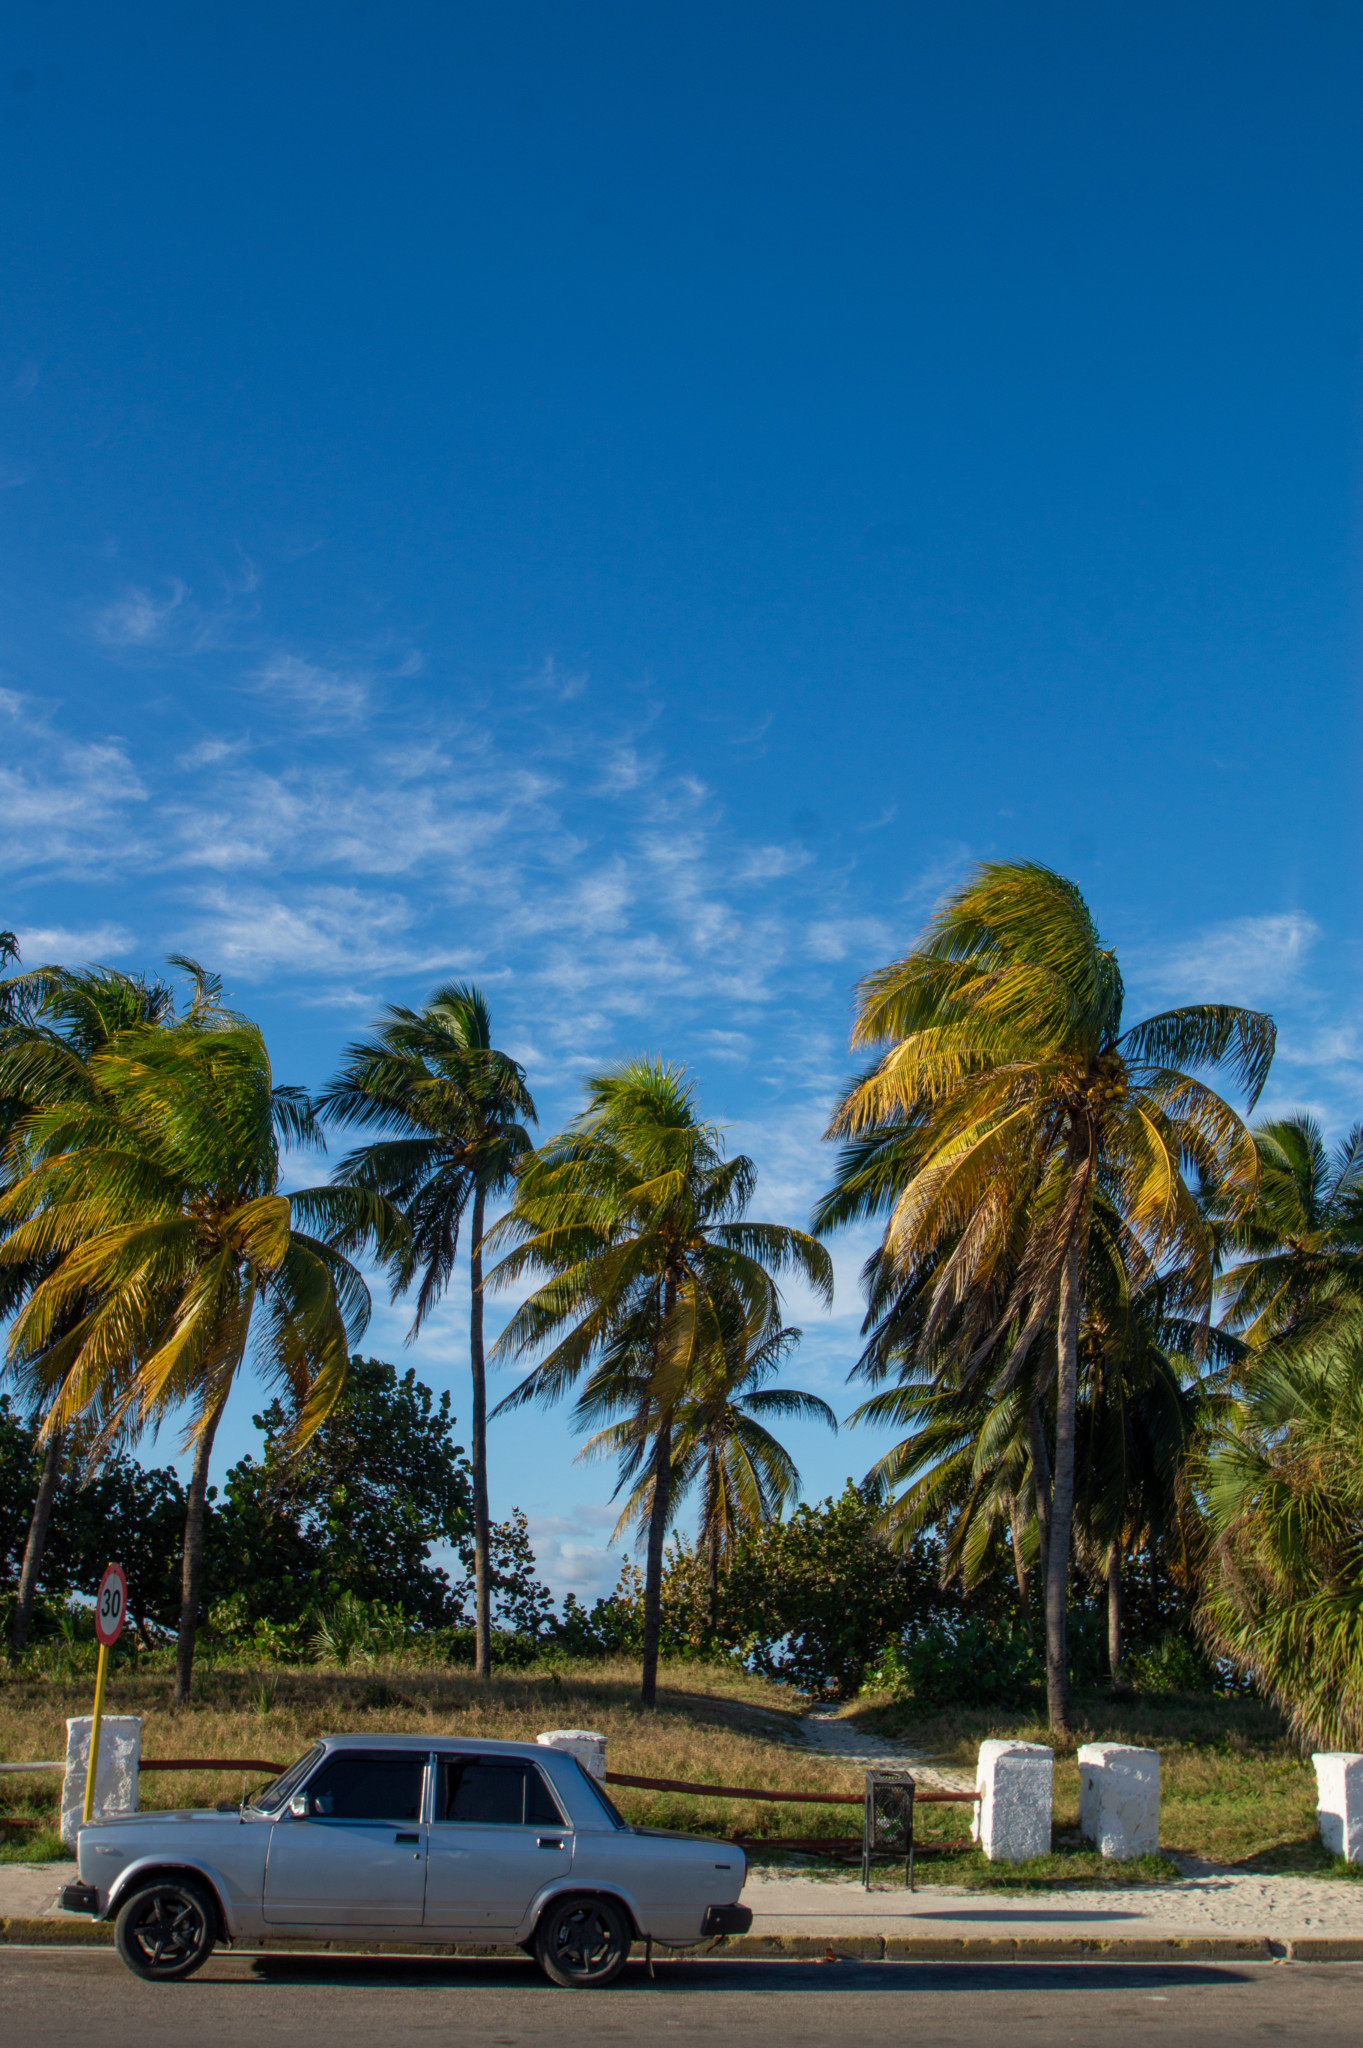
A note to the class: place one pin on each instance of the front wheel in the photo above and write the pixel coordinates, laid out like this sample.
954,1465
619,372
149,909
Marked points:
166,1931
582,1941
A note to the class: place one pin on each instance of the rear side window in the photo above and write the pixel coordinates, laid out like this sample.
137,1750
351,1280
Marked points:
611,1813
494,1792
368,1788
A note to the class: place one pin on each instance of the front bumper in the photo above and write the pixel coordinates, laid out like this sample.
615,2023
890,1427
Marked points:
78,1898
728,1919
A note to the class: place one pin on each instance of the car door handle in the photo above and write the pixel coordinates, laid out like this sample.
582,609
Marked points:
406,1838
551,1841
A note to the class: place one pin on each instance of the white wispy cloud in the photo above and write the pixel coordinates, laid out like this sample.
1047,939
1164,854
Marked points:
139,618
66,807
838,938
1249,960
258,934
335,695
210,753
573,1553
41,945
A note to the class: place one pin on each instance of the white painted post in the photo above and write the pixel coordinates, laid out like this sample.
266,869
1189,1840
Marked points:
120,1753
587,1747
1119,1798
1339,1802
1013,1818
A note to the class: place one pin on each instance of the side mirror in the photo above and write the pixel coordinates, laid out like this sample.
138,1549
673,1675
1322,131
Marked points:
298,1806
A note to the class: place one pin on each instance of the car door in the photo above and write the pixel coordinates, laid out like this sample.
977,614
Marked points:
496,1837
357,1856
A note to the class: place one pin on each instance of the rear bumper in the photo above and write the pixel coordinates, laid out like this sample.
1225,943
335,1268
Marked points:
728,1919
78,1898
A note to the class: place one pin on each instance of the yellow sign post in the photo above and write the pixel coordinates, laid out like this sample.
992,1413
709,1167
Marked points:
111,1610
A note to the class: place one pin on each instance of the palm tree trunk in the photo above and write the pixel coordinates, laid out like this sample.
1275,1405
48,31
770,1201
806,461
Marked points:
482,1587
1062,1487
712,1579
1114,1618
191,1575
37,1542
1041,1486
653,1568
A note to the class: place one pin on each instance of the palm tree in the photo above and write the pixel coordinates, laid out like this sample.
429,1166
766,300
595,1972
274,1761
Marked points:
454,1111
719,1438
54,1019
1006,1099
174,1255
640,1223
1301,1244
1283,1486
1144,1405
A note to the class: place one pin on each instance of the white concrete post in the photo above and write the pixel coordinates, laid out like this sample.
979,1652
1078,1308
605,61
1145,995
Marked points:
1119,1798
1013,1818
1339,1802
588,1748
120,1753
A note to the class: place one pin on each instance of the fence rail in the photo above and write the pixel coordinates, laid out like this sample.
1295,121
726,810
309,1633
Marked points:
211,1763
760,1792
256,1763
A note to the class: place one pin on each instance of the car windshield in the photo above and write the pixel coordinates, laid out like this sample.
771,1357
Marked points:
274,1795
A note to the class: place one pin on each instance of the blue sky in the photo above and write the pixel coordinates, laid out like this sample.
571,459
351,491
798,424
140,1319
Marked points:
628,504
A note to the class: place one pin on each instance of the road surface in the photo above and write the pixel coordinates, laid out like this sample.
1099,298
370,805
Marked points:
56,1997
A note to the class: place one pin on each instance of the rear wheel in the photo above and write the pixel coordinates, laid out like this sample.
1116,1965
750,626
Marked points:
582,1941
166,1931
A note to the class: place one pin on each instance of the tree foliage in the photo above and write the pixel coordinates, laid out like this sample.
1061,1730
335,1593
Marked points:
357,1510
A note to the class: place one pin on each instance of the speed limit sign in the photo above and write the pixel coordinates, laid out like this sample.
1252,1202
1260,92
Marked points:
111,1606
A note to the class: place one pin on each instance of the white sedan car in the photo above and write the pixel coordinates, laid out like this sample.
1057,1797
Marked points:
410,1839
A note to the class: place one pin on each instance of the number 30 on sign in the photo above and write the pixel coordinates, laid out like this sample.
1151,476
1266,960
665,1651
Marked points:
111,1606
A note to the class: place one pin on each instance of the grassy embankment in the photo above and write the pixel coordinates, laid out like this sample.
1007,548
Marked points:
711,1725
1235,1789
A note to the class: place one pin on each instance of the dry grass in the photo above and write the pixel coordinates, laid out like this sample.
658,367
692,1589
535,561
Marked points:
1234,1785
1235,1788
713,1725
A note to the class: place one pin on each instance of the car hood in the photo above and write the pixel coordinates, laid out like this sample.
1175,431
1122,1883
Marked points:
157,1817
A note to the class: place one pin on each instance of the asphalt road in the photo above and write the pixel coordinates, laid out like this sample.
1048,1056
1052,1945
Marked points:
86,1996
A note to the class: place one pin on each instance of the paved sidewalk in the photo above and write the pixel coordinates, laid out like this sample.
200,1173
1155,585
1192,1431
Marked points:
1210,1903
30,1890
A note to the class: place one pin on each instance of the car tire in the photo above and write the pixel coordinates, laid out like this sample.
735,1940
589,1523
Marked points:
167,1930
582,1941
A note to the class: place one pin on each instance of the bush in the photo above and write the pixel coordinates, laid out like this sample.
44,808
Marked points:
973,1661
1175,1665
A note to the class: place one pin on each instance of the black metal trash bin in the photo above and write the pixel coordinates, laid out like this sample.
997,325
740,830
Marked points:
888,1825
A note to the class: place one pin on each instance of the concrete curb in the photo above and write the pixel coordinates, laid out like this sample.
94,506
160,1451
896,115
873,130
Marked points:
16,1931
1028,1948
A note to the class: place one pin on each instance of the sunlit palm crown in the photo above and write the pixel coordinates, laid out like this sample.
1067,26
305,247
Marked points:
456,1109
719,1435
1009,1094
149,1189
639,1219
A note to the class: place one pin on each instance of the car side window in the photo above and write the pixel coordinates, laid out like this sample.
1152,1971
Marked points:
368,1788
495,1792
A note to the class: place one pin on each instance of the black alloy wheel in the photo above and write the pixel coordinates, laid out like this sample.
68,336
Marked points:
166,1931
582,1941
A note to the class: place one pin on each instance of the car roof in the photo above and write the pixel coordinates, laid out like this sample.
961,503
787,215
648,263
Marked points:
484,1744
